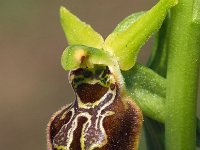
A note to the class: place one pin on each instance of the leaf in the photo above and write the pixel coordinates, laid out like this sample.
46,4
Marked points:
126,44
158,62
148,90
78,32
158,58
154,132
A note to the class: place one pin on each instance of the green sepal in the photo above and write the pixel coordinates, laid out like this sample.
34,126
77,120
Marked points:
128,21
78,32
126,43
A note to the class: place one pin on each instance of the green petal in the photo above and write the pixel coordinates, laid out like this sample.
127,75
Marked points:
78,32
125,43
79,56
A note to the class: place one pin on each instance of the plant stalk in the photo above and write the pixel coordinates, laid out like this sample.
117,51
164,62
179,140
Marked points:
182,78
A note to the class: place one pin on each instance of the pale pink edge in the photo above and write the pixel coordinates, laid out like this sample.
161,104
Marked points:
49,145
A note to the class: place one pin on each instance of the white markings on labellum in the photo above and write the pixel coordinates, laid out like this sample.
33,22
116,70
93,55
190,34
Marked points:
93,134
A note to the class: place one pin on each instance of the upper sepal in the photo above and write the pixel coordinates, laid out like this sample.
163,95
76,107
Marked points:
78,32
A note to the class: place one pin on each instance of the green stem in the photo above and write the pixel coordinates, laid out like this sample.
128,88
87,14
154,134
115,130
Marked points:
182,78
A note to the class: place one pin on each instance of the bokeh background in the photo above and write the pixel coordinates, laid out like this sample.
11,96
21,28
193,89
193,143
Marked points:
33,84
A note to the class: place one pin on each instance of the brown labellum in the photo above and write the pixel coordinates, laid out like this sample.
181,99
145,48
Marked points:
102,117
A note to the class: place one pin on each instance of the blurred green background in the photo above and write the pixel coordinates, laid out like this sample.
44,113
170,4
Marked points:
33,84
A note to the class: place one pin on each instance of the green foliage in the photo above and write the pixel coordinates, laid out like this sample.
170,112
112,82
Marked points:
154,132
148,90
159,55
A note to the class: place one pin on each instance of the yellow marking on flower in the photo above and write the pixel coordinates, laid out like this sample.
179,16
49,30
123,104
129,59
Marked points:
79,54
103,139
96,103
61,147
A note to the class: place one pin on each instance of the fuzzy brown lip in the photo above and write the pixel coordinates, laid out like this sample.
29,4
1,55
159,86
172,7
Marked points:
89,93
